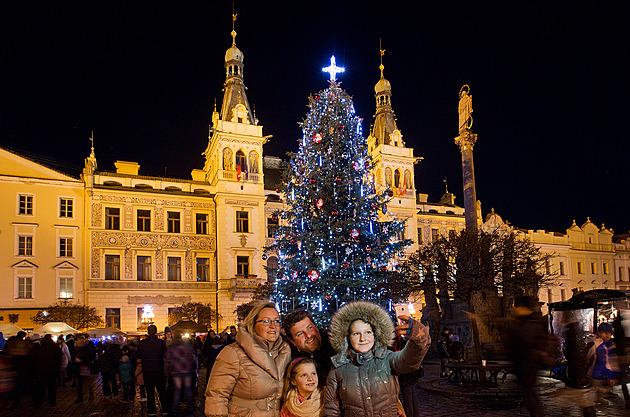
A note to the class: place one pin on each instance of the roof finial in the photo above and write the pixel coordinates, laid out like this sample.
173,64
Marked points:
233,31
92,140
445,183
215,104
380,47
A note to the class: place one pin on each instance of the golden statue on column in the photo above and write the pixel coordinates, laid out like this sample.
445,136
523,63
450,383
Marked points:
465,108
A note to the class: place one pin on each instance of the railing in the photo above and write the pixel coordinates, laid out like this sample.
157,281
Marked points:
245,283
254,177
600,247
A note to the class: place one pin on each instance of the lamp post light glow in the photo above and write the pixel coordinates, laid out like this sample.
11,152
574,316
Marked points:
147,315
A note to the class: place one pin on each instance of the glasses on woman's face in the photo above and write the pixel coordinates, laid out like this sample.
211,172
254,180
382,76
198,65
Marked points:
268,322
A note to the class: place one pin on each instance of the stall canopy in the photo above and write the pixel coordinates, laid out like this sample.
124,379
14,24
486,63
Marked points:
588,299
9,330
105,331
55,328
188,326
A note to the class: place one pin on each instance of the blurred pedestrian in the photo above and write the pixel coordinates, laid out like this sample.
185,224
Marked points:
70,370
3,341
526,335
578,383
623,357
443,344
47,358
151,353
183,362
65,359
85,353
602,357
126,372
456,351
108,362
20,351
211,353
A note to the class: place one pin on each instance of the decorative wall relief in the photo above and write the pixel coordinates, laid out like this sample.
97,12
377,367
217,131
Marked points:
188,214
97,215
159,219
128,219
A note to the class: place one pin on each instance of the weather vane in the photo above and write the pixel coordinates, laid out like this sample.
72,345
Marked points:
333,69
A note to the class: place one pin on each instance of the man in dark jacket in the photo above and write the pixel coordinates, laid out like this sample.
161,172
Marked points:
307,341
108,362
526,333
151,353
47,358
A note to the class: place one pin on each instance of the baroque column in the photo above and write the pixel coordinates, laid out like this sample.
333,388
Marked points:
466,141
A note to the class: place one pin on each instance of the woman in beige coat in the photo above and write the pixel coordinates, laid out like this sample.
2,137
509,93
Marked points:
246,379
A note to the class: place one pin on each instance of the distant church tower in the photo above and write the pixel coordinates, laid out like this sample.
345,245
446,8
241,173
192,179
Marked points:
466,141
393,161
233,168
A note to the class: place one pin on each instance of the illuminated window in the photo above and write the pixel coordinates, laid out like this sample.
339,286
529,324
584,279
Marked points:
241,161
144,268
202,223
112,317
144,220
112,267
25,287
435,233
272,268
580,267
65,288
242,266
242,222
593,268
203,269
397,178
605,268
66,207
620,276
112,218
65,247
420,236
26,205
25,245
562,269
272,225
174,268
173,222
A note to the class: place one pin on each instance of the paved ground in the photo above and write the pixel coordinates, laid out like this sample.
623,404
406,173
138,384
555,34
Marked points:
437,398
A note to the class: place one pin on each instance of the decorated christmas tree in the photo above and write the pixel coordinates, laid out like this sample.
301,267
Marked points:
336,242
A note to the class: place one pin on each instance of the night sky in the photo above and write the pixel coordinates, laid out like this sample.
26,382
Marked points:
548,80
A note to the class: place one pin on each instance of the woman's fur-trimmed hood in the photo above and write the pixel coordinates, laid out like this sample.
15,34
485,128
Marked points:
360,310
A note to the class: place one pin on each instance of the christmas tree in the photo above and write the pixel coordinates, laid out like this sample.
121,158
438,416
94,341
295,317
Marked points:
335,242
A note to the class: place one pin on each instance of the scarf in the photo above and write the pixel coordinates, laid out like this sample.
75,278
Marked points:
313,407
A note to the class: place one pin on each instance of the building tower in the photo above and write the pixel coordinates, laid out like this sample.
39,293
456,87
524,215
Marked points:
466,141
393,161
233,168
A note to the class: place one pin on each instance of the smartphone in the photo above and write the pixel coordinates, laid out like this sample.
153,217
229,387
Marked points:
401,310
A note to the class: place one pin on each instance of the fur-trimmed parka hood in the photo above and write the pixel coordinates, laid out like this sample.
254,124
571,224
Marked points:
360,310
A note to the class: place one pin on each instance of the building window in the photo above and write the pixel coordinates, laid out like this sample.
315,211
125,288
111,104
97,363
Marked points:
593,268
144,220
242,221
112,218
202,223
174,268
26,205
144,268
25,245
620,277
241,161
112,317
562,269
242,266
65,288
435,233
419,236
580,267
25,287
65,247
112,267
66,207
397,178
272,225
203,269
547,267
173,222
605,268
272,268
563,294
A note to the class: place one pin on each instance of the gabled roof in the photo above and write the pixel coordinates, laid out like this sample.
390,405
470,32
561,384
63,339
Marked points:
22,164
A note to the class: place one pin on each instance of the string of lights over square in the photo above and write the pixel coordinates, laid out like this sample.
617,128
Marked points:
336,241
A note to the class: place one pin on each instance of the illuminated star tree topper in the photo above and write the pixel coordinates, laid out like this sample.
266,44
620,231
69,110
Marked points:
333,69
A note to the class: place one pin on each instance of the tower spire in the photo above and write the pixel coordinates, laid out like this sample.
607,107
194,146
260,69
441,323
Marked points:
380,47
384,118
233,33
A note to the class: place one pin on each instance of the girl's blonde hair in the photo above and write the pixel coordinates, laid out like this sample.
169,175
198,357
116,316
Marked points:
291,373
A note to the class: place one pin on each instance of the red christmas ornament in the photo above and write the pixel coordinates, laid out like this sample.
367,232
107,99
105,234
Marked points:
383,268
279,276
345,264
313,275
356,166
390,193
340,127
312,180
317,97
319,203
317,137
334,213
367,164
354,233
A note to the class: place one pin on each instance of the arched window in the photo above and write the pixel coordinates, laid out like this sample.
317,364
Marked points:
228,164
272,268
397,178
253,161
388,176
407,181
241,161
